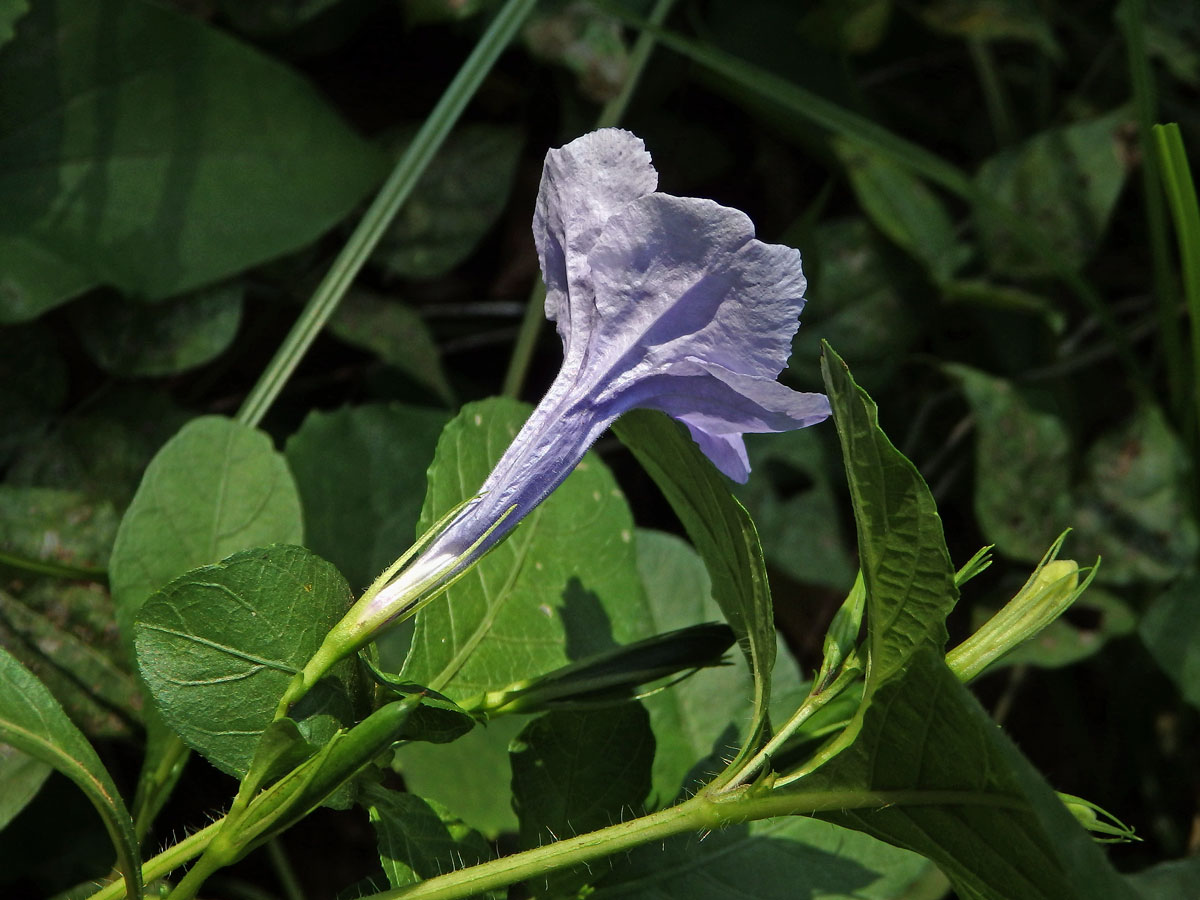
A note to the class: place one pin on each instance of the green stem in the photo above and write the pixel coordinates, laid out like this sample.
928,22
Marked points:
611,114
154,787
292,889
381,212
170,859
812,704
1185,210
701,813
993,91
51,568
1131,19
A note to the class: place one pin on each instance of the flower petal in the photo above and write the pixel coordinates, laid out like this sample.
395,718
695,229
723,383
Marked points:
583,184
678,277
719,406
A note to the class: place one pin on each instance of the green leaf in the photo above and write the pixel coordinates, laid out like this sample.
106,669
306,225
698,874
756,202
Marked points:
1170,629
906,568
722,532
63,634
134,339
795,509
57,526
904,209
1133,505
361,475
456,202
960,792
1022,465
11,12
36,278
396,334
157,185
218,646
696,721
469,777
564,585
32,721
21,777
1065,182
215,488
1175,879
859,306
575,772
419,838
992,20
103,448
773,859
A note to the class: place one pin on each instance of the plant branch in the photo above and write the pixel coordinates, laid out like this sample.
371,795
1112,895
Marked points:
387,203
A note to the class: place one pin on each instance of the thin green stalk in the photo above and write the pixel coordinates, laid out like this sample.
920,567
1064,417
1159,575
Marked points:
391,197
1181,195
1131,15
288,881
994,96
824,114
51,568
611,114
813,703
701,813
166,862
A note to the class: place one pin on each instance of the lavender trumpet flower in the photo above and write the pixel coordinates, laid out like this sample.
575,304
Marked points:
662,302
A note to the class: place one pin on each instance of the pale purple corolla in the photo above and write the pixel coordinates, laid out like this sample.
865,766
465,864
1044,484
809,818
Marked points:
662,302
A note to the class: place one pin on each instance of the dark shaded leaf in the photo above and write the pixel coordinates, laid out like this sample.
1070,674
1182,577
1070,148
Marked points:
361,476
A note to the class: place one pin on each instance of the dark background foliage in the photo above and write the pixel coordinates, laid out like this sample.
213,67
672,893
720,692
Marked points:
176,178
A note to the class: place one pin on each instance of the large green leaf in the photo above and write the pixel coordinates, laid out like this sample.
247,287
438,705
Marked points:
56,526
1065,182
361,475
395,333
774,859
963,795
469,777
698,720
795,509
1170,629
857,304
577,771
721,530
218,646
457,200
564,585
10,13
103,448
420,839
138,340
1133,503
21,777
903,208
156,155
215,488
62,632
32,721
1022,467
